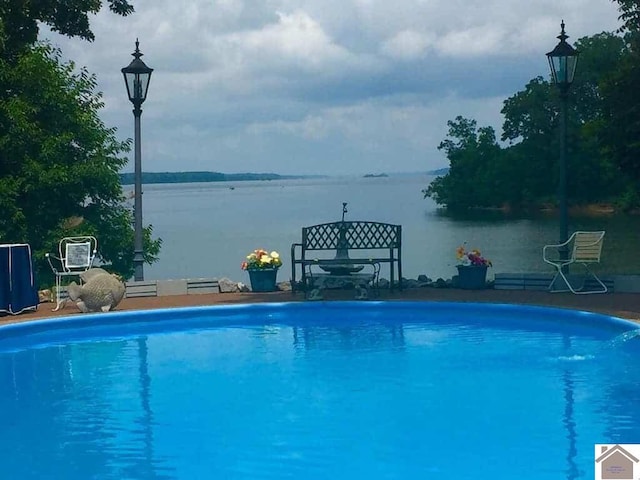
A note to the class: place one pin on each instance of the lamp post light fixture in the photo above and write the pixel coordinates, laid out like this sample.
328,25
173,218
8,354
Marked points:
136,78
562,61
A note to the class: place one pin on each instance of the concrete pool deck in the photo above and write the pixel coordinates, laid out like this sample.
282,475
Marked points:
624,305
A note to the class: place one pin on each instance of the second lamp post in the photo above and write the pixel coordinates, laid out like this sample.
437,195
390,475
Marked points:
562,61
136,78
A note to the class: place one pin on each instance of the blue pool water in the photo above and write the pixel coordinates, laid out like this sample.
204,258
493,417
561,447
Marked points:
317,391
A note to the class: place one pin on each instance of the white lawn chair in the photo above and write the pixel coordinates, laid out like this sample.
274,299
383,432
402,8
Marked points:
584,248
76,255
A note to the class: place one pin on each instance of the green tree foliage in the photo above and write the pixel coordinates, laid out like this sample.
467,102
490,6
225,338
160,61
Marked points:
19,20
532,124
595,173
528,127
525,172
59,163
620,128
629,14
473,154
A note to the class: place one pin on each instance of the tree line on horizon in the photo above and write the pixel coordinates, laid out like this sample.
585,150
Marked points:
128,178
603,136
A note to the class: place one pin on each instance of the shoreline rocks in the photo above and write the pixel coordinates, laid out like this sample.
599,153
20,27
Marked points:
423,281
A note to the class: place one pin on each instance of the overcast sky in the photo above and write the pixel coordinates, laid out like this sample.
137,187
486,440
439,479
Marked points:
321,86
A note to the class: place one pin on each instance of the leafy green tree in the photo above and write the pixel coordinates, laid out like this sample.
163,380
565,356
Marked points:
19,20
473,153
528,128
629,14
525,173
531,120
59,163
619,129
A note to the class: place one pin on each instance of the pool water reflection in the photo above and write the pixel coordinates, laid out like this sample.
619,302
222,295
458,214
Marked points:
315,391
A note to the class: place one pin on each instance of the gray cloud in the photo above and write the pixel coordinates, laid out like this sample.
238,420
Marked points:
321,86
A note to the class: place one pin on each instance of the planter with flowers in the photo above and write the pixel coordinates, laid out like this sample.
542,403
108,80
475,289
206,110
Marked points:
263,270
472,269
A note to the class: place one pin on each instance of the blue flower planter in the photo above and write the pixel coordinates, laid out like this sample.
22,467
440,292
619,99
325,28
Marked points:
472,277
263,280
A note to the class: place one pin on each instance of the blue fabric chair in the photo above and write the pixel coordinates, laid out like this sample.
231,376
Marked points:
18,290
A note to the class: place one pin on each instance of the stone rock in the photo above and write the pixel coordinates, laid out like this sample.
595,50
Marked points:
315,294
228,286
424,279
102,292
361,293
44,296
440,283
409,283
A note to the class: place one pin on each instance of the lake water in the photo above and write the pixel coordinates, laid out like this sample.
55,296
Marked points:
209,228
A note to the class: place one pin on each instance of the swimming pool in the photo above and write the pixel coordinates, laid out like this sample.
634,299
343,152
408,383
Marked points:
377,390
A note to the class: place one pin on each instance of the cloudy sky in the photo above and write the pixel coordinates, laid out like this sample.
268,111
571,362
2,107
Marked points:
321,86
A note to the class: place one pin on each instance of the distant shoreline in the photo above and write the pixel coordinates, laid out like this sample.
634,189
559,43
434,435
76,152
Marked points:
197,177
205,177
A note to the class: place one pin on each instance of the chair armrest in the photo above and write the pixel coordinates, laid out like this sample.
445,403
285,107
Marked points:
558,260
49,256
556,247
548,252
94,253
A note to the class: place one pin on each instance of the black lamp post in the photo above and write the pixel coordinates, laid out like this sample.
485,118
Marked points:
136,78
562,60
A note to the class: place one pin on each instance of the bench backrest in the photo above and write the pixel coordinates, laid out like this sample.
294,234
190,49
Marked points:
352,236
587,246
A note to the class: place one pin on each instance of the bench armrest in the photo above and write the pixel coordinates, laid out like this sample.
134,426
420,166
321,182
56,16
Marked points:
294,247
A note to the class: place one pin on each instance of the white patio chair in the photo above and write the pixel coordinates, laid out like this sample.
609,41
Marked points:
76,255
585,248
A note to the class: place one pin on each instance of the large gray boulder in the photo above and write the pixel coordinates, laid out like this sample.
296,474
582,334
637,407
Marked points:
101,292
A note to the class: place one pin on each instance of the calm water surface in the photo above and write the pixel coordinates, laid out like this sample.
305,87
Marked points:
208,228
343,392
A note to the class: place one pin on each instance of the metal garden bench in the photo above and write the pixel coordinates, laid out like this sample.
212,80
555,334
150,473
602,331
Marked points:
373,243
